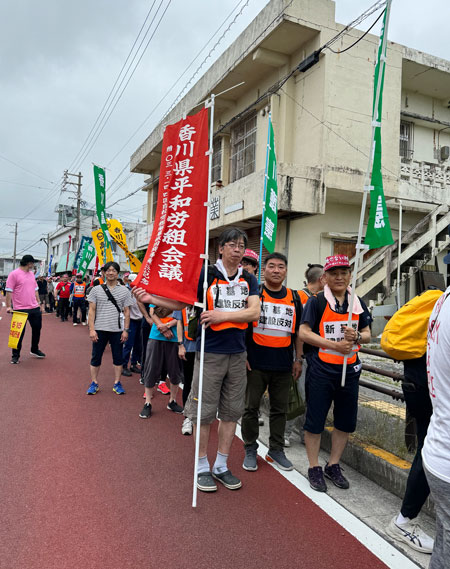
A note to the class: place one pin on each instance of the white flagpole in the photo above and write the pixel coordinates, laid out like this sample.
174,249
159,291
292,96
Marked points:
209,104
375,122
400,229
263,217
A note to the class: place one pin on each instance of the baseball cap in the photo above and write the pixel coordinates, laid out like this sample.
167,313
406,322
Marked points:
79,275
336,261
250,254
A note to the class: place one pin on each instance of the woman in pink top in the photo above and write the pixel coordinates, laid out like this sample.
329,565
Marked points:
22,295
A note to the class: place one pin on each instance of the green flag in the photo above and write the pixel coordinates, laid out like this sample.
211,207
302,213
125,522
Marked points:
378,232
270,217
100,198
86,257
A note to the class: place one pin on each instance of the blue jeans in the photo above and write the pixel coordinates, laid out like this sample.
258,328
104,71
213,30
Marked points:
133,345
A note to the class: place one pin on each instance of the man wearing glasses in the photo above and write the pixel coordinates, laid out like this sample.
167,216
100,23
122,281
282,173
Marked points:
232,302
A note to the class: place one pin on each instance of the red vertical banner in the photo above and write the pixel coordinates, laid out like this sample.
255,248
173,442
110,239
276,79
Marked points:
172,264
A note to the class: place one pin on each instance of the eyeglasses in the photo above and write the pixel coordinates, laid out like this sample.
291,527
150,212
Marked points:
233,245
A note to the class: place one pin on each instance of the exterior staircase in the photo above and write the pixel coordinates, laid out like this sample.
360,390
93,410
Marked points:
420,245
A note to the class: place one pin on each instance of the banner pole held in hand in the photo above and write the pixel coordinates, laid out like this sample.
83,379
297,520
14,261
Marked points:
209,104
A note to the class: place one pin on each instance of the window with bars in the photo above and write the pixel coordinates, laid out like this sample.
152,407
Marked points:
216,172
406,140
243,147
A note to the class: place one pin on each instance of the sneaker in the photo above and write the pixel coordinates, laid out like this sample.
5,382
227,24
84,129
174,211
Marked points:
93,388
162,388
75,324
15,359
411,534
141,380
186,427
126,372
205,482
227,479
146,411
84,323
316,479
135,369
250,461
37,354
287,441
334,473
260,419
144,396
173,406
279,458
118,388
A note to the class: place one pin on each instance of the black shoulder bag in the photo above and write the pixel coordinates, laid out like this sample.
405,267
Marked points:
113,300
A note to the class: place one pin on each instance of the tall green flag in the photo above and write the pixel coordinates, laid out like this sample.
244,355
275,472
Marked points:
270,214
100,199
87,255
378,232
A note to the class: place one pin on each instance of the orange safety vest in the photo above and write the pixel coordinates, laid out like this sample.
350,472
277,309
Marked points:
227,298
303,297
276,322
79,290
331,327
186,325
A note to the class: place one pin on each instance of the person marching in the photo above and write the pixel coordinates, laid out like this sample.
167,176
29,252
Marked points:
63,293
314,284
106,304
232,302
250,261
78,290
22,295
327,340
186,352
133,346
271,362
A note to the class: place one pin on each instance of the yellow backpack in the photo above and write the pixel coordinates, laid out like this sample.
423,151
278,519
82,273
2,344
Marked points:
405,335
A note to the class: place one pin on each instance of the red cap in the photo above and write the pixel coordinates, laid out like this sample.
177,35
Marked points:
336,261
250,254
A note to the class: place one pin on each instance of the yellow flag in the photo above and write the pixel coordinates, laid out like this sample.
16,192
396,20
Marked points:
116,232
104,256
19,319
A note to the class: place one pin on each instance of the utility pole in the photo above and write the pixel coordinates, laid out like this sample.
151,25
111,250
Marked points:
15,242
78,198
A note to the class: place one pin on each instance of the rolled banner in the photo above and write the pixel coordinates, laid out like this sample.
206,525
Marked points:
104,255
19,319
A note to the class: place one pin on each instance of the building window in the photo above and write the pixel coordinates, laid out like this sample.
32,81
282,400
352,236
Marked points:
243,148
216,172
154,199
406,140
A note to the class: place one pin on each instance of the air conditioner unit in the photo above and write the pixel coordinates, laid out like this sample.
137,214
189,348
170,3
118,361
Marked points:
445,153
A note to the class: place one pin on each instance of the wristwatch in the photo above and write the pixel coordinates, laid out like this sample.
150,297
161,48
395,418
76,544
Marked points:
358,337
180,343
127,330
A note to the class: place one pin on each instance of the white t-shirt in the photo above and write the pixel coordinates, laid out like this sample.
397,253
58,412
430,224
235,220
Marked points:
436,449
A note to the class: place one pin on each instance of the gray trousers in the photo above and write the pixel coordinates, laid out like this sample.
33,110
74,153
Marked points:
440,492
300,421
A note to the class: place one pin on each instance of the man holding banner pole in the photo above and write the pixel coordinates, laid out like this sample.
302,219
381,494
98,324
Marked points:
22,295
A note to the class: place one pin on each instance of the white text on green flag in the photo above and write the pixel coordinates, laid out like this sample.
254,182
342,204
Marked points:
270,213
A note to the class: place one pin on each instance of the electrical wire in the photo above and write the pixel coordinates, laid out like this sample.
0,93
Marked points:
111,110
113,87
359,39
25,169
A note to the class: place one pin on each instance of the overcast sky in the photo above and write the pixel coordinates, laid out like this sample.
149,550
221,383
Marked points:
59,61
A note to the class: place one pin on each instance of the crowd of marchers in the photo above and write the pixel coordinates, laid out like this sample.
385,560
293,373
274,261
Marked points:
259,339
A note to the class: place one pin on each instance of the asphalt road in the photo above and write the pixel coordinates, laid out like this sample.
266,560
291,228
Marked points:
86,484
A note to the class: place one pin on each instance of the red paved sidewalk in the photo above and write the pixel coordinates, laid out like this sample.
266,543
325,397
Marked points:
86,484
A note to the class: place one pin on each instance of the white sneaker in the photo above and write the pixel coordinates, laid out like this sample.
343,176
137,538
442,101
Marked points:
186,427
287,441
75,324
411,534
84,323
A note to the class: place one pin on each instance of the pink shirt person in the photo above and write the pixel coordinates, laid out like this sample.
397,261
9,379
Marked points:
22,286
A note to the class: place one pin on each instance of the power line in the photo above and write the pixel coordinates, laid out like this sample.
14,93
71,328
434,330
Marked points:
25,169
27,185
113,87
99,129
359,39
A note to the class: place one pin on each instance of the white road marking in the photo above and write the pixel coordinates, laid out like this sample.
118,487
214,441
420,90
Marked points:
381,548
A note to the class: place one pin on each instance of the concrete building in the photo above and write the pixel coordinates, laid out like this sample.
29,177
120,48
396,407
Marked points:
322,124
7,265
